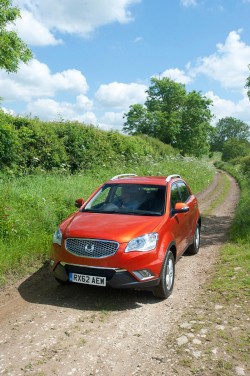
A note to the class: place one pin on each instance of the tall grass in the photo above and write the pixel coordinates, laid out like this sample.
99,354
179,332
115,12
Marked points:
32,206
240,231
233,272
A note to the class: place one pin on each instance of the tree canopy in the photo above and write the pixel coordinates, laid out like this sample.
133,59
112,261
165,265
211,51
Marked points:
12,49
235,148
174,116
229,128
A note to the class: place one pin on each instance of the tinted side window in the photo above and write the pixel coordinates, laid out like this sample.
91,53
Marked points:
185,194
175,196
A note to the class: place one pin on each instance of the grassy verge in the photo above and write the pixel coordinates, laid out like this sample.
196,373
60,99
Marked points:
214,337
217,199
32,206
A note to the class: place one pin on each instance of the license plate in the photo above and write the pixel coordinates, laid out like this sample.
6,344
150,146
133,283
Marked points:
87,279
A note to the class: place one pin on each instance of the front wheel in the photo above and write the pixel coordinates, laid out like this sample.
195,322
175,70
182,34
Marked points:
165,287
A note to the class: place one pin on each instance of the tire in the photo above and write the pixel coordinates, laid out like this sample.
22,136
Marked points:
165,287
195,246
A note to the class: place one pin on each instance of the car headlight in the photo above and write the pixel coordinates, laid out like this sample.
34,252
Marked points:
144,243
57,238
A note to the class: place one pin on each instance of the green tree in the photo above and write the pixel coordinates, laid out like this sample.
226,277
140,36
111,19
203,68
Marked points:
12,48
165,101
137,121
173,116
195,131
235,148
227,128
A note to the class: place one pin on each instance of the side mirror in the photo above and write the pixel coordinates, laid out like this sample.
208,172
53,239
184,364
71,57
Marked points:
180,207
79,202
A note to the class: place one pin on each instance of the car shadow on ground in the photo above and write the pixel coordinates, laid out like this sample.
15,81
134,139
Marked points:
41,287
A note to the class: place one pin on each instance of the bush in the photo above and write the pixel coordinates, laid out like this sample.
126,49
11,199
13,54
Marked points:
8,143
240,230
245,166
31,146
234,148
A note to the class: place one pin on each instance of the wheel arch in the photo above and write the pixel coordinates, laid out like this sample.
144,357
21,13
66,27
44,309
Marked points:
199,220
172,248
166,248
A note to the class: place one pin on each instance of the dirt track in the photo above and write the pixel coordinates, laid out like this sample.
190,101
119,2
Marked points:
47,329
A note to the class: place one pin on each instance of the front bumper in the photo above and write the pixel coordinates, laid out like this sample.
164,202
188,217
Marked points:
116,278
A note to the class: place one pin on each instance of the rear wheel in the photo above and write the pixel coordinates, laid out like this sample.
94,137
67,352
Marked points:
194,248
165,287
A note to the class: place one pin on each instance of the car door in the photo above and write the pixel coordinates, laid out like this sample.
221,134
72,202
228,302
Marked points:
190,217
178,220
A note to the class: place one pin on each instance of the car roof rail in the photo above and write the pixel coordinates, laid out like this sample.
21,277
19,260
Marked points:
122,176
170,177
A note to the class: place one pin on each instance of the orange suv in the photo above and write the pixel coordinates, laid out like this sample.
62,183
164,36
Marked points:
128,234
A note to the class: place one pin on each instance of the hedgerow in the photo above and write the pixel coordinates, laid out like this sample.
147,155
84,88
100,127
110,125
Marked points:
31,145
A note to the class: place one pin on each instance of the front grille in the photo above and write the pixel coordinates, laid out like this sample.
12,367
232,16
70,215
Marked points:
91,247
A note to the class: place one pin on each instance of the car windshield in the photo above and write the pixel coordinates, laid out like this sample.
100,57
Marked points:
134,199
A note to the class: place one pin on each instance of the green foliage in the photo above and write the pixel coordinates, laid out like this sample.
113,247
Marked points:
226,129
234,148
12,48
193,138
173,116
165,102
240,231
245,166
138,121
40,147
8,145
31,146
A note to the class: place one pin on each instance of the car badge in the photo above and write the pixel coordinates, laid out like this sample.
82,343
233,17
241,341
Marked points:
89,248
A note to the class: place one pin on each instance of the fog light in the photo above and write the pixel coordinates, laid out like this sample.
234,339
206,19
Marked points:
143,274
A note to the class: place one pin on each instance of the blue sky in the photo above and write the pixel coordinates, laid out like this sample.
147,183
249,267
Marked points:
94,58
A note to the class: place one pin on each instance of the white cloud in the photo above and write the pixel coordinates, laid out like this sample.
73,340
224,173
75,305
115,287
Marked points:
88,118
138,39
228,65
7,111
112,120
224,107
84,102
120,95
49,109
35,80
73,17
188,3
176,75
34,32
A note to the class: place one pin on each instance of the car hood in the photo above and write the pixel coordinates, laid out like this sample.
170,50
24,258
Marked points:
118,227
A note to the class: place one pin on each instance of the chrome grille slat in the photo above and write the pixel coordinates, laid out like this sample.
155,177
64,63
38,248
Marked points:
94,248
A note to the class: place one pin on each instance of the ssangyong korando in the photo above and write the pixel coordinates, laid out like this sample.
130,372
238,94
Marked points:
128,234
